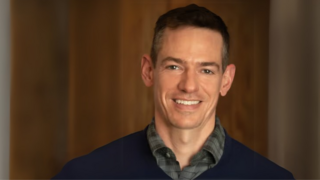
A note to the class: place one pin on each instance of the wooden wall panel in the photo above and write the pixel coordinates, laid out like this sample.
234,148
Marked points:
38,88
94,105
260,78
77,84
137,23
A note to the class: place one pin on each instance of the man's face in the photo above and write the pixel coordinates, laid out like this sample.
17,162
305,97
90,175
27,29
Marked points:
188,77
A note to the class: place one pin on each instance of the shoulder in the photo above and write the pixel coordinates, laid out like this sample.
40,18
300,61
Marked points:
109,159
250,162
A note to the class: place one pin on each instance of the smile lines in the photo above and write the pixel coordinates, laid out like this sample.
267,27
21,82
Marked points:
186,102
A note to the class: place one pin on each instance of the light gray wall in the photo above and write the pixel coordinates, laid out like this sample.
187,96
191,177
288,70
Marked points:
294,120
4,87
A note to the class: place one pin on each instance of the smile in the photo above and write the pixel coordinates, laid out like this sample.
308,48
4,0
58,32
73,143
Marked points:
186,102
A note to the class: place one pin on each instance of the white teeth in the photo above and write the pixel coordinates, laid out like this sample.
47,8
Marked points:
187,102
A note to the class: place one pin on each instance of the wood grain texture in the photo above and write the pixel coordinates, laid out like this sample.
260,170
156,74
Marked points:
77,84
94,78
137,23
38,88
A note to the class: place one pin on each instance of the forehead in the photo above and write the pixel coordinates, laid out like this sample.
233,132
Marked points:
192,44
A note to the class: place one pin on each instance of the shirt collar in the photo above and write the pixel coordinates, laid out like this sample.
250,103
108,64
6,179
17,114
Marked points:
214,144
155,141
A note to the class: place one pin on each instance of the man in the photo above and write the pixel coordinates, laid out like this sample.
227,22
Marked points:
188,68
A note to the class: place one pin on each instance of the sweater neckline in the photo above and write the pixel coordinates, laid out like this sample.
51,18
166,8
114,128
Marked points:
210,173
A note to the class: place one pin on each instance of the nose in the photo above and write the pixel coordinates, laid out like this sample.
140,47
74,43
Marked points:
188,82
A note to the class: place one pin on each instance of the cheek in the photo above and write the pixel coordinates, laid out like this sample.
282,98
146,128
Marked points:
163,89
166,83
211,87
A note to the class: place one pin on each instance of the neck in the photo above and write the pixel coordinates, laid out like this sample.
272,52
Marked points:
185,143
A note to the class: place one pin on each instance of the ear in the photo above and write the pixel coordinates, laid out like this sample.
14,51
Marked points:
147,70
227,79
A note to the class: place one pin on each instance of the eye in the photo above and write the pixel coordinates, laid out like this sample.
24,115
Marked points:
207,71
172,67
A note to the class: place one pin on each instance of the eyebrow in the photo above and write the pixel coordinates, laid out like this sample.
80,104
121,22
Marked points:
180,61
210,64
169,58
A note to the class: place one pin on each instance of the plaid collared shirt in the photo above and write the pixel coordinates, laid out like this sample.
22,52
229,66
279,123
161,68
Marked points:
205,159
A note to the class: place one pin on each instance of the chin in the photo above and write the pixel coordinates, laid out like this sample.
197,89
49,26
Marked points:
184,123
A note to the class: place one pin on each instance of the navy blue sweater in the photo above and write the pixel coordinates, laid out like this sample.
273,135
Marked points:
130,158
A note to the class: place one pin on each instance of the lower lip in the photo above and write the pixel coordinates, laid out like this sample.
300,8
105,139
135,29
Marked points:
187,107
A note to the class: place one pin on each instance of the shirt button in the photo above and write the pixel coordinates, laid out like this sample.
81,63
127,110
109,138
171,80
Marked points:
168,155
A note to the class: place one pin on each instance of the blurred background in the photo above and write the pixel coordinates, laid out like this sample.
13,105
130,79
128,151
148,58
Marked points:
70,79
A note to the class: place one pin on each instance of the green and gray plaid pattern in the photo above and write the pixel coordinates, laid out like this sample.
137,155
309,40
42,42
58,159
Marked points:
205,159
